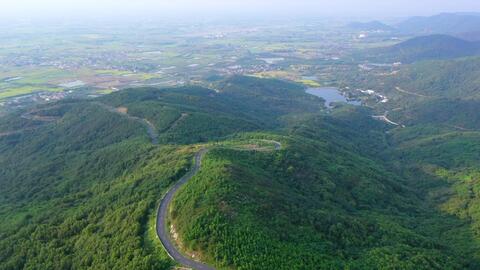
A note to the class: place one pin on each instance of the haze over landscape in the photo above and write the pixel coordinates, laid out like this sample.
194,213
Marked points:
249,135
110,8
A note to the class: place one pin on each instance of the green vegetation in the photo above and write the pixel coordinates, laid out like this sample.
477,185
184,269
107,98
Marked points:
453,23
194,114
17,91
317,203
409,86
344,192
452,79
426,48
81,192
454,113
78,194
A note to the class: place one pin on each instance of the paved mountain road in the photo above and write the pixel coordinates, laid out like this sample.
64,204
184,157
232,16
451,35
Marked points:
162,230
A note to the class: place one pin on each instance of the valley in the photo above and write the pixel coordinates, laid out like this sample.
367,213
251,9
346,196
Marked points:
299,144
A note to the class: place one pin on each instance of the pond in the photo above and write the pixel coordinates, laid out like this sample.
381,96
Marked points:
331,95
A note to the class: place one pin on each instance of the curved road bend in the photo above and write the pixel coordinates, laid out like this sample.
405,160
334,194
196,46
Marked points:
162,230
151,130
277,145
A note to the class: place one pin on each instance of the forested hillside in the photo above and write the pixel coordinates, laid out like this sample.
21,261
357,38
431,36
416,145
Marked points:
81,181
445,23
77,193
434,81
321,203
432,47
451,79
459,114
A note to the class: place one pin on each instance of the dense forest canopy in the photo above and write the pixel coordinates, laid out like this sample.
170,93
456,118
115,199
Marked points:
81,179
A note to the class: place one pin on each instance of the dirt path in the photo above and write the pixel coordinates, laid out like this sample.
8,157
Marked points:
33,115
151,130
176,122
30,116
8,133
385,119
460,128
410,93
277,145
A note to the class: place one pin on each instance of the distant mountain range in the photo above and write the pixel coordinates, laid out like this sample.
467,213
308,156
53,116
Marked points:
445,23
465,25
470,36
370,26
427,48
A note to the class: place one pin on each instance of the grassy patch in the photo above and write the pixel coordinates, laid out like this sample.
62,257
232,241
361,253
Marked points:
24,90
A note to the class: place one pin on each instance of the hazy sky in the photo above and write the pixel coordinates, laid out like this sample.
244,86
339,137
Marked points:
358,8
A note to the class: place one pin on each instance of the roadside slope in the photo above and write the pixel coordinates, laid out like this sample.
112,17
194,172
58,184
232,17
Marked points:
322,202
162,229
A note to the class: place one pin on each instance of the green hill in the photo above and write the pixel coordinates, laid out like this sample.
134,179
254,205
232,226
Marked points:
370,26
446,161
421,81
445,23
434,47
454,113
77,193
81,180
80,190
317,204
450,79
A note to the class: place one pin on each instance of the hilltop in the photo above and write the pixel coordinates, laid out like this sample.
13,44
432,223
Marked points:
370,26
442,78
428,48
445,23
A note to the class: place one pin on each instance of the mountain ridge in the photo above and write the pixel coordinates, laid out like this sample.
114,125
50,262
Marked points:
430,47
444,23
370,26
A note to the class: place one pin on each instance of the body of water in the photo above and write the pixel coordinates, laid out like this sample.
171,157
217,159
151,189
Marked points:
331,95
310,78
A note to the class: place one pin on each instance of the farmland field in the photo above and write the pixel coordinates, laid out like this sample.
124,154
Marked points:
87,63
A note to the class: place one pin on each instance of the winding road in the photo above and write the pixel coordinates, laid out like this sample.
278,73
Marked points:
33,117
410,93
176,122
385,119
276,145
162,230
161,226
151,130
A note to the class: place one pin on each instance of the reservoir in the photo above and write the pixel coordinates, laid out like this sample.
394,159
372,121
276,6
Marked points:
331,95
